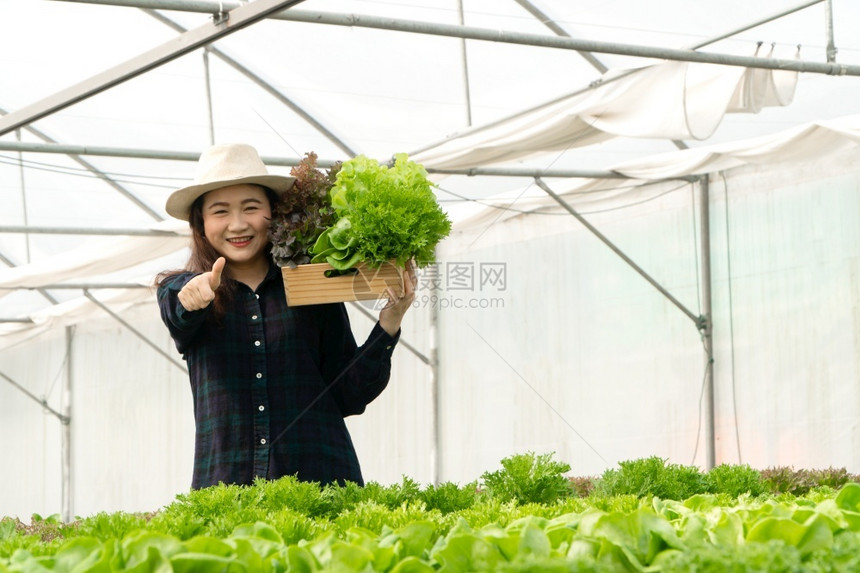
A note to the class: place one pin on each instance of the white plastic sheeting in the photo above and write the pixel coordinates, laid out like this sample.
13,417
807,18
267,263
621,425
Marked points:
546,341
672,100
803,142
96,259
583,357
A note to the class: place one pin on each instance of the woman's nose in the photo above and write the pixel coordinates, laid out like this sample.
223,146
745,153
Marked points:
237,222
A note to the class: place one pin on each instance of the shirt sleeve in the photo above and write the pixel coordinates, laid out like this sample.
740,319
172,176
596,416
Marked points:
357,374
183,324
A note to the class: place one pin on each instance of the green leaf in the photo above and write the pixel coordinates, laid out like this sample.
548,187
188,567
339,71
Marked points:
349,557
467,552
562,529
412,564
728,530
414,538
849,497
78,552
149,549
259,529
808,537
344,264
642,533
154,561
192,562
301,560
534,542
393,212
209,545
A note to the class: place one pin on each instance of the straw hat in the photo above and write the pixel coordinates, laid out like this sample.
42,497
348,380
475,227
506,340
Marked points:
222,166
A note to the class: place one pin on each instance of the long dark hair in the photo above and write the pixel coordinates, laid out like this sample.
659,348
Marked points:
203,256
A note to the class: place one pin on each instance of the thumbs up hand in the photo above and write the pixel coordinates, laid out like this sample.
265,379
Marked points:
199,292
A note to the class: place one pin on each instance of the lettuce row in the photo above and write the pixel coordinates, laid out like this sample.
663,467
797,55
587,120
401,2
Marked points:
698,534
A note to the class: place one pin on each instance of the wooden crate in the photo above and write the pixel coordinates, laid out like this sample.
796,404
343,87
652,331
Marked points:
308,284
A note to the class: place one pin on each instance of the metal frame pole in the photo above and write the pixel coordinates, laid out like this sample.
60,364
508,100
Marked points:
466,85
260,82
95,171
831,42
223,25
706,326
134,331
703,322
67,461
502,36
208,85
87,231
698,320
168,155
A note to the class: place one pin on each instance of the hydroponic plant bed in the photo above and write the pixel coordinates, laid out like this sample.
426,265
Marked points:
527,516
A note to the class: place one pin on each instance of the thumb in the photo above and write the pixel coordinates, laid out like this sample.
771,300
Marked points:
217,269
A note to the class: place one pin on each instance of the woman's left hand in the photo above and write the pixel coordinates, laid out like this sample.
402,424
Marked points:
391,316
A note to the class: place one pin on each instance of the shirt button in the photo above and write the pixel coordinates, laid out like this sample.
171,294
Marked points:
259,375
256,343
261,407
256,295
263,441
254,317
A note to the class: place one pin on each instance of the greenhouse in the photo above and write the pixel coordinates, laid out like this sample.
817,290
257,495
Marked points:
655,248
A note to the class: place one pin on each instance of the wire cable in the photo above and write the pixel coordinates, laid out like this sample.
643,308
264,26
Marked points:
84,170
537,211
701,414
72,172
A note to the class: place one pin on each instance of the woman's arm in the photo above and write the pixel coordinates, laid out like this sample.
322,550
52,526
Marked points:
183,324
356,374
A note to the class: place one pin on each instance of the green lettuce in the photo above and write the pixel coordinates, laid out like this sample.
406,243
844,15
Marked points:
383,213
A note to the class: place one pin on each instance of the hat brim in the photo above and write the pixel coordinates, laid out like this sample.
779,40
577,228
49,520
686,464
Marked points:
179,203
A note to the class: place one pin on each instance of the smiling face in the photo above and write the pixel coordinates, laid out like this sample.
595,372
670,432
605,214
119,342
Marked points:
236,224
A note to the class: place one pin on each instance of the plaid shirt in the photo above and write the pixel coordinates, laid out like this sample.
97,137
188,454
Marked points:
271,384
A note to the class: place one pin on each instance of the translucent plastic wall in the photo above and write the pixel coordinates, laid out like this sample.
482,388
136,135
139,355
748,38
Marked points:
547,341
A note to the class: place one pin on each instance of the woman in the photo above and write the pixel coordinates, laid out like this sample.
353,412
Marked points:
271,384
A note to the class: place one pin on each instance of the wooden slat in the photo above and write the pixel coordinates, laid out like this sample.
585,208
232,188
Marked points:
307,284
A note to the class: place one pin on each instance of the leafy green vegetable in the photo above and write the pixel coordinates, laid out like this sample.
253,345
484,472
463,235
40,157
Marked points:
287,525
652,476
382,214
302,214
735,480
529,478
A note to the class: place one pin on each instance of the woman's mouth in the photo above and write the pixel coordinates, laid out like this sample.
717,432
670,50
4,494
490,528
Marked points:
239,241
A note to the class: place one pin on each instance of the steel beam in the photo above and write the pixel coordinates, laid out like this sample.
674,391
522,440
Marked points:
236,19
290,162
707,323
544,19
696,319
86,231
78,286
45,294
503,36
263,84
134,331
97,172
41,401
